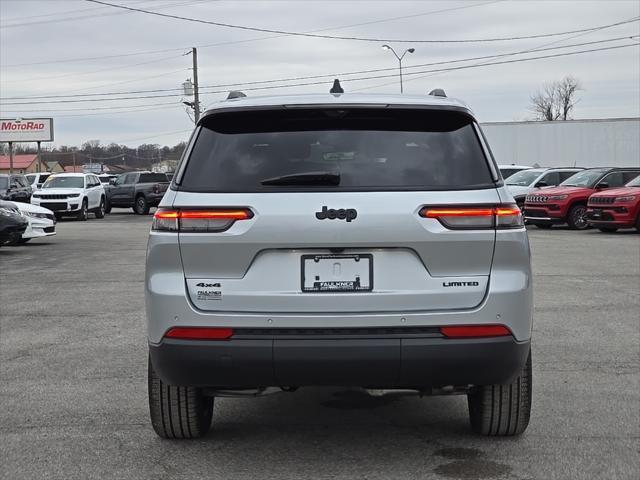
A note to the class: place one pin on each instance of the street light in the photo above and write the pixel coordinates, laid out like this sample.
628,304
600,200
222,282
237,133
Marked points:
408,50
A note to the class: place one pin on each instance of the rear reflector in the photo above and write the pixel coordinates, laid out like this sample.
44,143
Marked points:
200,220
199,333
498,216
475,331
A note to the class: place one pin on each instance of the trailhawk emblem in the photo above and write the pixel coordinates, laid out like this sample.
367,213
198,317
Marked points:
347,214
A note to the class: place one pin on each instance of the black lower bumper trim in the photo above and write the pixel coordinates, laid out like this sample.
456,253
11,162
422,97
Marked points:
365,362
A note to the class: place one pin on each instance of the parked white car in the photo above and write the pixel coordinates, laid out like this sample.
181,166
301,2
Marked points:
37,179
42,222
508,170
72,194
526,181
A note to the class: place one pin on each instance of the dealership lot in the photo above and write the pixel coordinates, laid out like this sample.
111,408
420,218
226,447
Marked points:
73,379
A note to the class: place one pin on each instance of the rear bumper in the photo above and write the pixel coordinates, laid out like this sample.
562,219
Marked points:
420,362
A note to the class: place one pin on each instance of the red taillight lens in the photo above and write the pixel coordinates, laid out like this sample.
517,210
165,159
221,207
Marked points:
200,220
475,331
500,216
199,333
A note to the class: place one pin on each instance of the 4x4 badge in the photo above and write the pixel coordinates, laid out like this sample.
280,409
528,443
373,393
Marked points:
347,214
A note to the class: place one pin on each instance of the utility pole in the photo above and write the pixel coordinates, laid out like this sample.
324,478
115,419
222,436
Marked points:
39,161
196,93
10,157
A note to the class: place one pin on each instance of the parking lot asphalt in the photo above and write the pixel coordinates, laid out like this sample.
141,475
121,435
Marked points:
73,390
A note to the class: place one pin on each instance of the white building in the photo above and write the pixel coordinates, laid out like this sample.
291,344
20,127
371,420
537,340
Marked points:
611,142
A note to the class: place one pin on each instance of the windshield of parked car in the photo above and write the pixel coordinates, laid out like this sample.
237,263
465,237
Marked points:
4,182
586,178
352,149
634,183
523,178
64,182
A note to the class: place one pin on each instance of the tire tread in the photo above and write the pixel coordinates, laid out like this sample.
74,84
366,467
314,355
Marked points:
178,412
502,410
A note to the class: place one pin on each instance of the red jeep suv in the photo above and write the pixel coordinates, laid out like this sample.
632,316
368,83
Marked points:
567,203
616,208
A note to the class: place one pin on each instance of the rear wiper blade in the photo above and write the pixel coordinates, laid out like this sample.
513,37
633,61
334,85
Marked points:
307,178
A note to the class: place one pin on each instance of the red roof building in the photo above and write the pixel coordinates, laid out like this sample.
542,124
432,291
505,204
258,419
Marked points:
22,164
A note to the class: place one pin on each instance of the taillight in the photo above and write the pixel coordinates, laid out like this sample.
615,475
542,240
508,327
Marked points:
475,331
199,333
497,216
198,220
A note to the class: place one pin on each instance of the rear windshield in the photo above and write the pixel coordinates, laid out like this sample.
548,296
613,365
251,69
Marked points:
361,149
152,178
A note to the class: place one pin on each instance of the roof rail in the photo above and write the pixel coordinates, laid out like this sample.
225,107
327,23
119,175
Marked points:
438,92
235,94
337,88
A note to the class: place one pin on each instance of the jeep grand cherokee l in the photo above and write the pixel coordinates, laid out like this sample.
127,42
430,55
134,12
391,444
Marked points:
343,240
567,203
616,208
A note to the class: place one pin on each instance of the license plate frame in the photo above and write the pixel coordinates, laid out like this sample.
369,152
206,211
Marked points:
339,286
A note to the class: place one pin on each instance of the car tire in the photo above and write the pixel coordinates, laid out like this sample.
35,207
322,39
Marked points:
141,207
502,410
178,412
100,211
577,219
22,241
544,226
608,229
83,214
107,206
638,223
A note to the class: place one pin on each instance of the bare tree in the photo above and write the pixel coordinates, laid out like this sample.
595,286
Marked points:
556,100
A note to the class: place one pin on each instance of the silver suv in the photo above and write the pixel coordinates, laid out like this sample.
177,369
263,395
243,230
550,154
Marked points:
348,240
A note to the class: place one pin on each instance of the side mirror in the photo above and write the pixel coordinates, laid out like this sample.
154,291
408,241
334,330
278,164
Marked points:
603,185
541,184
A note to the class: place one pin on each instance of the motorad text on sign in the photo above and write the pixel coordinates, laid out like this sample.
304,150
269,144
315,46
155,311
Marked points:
26,130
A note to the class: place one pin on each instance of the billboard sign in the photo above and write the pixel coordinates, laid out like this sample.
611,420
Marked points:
26,130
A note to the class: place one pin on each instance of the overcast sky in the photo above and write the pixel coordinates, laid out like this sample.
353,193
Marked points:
48,32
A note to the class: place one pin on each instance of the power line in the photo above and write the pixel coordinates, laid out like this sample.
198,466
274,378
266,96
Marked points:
544,47
74,74
84,17
503,62
463,67
235,42
360,39
310,77
92,108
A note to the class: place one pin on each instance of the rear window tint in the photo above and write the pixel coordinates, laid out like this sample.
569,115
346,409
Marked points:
152,178
370,149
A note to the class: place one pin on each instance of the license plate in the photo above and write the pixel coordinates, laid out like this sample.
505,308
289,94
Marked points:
337,273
